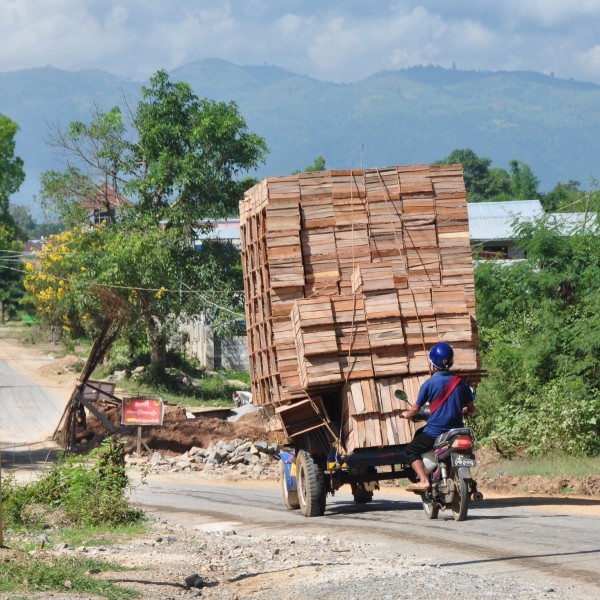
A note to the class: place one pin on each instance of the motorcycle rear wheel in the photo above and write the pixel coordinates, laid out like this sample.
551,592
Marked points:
460,498
430,507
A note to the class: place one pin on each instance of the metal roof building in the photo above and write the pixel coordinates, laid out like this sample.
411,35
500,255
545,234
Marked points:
490,221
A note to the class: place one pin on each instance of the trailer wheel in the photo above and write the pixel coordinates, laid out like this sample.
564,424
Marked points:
290,499
361,496
311,485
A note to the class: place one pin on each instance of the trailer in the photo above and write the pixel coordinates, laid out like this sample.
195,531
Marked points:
349,278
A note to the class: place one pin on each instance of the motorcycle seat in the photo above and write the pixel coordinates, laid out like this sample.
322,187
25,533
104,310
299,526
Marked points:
449,435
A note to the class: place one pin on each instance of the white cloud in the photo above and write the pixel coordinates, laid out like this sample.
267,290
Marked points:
588,63
556,13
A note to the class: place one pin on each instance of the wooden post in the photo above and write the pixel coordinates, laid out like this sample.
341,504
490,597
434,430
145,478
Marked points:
139,440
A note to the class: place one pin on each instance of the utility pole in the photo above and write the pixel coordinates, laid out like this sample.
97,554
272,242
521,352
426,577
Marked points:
362,151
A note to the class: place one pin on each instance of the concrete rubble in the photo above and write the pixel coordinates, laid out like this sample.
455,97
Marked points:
232,460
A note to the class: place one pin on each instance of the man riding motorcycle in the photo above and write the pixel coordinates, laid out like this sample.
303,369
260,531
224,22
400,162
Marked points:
449,398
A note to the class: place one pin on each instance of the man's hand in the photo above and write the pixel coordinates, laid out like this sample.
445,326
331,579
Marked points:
469,409
410,414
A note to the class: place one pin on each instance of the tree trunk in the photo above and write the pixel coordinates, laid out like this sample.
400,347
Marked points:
158,356
158,347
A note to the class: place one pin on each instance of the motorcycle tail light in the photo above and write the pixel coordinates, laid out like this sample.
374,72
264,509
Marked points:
463,442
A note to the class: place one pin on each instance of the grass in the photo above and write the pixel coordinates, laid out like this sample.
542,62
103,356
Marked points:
206,392
26,335
74,538
40,573
185,382
61,503
545,466
98,536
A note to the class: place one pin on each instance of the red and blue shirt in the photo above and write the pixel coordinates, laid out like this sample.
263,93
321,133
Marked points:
449,415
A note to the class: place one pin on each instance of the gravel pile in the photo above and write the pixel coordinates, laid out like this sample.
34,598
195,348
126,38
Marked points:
219,564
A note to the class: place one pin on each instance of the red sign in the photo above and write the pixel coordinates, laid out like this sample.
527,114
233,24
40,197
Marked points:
142,411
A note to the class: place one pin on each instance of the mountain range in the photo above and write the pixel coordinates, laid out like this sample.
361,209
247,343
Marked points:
408,116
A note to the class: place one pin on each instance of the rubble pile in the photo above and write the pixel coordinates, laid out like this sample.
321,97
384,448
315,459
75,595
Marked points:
231,460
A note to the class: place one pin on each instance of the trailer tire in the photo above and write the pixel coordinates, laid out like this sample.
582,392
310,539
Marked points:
311,485
290,499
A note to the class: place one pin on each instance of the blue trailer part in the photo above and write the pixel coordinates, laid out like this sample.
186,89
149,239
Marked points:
289,470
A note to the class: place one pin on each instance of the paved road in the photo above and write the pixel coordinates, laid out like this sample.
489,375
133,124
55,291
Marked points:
547,541
29,412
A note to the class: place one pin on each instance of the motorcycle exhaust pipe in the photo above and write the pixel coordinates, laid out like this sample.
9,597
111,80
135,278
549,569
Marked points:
477,497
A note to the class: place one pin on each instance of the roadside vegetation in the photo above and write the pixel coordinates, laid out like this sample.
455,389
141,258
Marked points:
64,574
540,332
80,500
551,465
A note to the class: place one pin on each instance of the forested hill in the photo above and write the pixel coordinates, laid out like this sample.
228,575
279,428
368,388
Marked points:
395,117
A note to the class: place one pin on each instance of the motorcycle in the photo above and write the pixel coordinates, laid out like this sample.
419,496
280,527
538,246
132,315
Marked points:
448,467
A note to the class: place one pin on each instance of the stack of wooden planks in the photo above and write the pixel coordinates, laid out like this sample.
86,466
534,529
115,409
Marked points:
350,277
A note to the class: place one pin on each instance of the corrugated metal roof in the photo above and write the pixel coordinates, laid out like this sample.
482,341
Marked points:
488,221
494,220
570,223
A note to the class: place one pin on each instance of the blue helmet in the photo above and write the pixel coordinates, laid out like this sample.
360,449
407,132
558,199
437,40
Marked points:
441,356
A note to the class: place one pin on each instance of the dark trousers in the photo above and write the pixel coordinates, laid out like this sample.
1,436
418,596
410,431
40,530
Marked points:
421,443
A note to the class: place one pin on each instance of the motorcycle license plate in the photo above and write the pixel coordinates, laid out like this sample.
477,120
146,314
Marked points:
463,460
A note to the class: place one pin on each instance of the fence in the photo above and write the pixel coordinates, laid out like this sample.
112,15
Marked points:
212,351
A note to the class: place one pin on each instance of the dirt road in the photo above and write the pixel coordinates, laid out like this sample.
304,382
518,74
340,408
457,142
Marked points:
515,540
30,409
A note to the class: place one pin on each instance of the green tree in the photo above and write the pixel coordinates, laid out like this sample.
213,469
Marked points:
481,182
166,278
486,183
12,174
23,219
540,335
523,183
186,163
318,165
11,272
11,178
63,193
183,164
563,195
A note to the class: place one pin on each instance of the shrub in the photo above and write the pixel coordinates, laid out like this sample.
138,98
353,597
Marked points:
84,490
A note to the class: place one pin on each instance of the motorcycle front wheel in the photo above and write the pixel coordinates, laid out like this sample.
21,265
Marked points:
460,498
430,507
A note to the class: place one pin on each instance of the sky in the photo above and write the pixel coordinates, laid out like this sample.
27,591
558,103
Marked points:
331,40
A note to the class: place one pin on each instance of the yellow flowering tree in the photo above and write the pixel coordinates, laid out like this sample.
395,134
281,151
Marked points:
56,277
152,268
